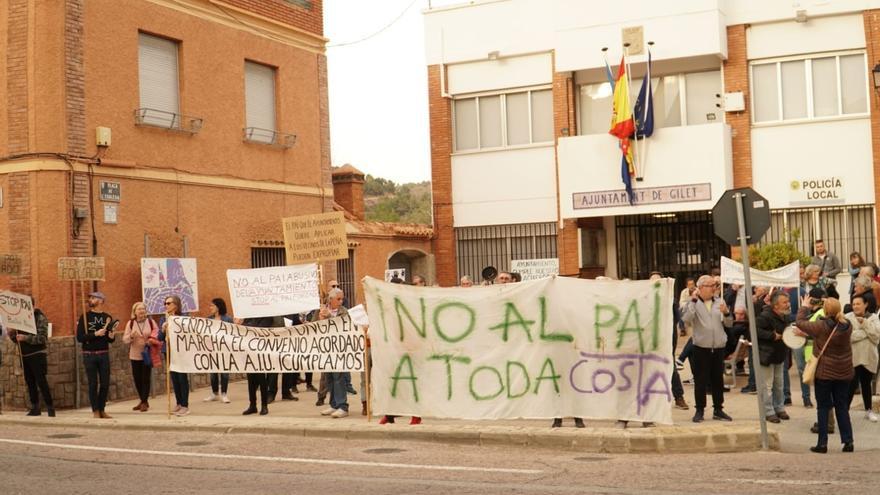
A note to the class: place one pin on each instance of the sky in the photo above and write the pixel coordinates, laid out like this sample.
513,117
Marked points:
378,87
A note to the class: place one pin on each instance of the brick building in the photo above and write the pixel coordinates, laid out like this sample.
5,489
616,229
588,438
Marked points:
208,117
777,97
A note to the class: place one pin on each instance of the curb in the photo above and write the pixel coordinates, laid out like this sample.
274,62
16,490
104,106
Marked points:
657,440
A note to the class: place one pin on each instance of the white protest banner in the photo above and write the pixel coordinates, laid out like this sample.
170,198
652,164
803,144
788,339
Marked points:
535,269
359,315
787,276
272,291
395,272
543,349
201,345
18,312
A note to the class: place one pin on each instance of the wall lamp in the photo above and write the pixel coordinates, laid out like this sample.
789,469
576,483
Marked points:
876,73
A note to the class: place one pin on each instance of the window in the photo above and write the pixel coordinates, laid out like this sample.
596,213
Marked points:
259,87
809,88
158,80
501,120
679,99
496,245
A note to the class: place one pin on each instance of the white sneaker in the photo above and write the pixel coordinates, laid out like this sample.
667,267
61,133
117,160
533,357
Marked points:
872,416
327,412
340,413
226,399
211,398
183,411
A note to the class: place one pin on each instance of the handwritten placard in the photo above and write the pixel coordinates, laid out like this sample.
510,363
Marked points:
10,264
83,269
310,238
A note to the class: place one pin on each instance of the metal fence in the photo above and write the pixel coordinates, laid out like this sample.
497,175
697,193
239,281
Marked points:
498,245
263,257
844,229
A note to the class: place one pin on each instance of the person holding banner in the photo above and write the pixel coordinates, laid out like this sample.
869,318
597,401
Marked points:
337,382
219,381
95,331
142,336
258,380
179,381
33,355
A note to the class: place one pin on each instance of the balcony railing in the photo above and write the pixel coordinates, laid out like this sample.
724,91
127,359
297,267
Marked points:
269,137
167,120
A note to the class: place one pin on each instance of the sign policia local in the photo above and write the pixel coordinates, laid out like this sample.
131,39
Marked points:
201,345
541,349
816,191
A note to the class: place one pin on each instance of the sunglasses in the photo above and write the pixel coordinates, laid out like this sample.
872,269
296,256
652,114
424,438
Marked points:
168,303
334,286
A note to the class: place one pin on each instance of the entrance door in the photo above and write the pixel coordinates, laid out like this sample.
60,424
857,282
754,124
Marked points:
679,245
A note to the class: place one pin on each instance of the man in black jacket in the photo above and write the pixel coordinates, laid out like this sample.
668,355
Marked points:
33,354
771,353
258,381
95,331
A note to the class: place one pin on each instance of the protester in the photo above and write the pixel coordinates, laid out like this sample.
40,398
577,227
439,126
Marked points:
856,262
798,354
258,381
504,278
95,331
865,337
34,361
142,336
863,286
336,381
419,281
219,381
813,279
466,281
179,381
290,380
829,263
705,312
771,353
832,332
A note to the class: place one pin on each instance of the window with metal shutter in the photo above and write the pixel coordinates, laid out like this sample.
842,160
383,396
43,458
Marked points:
259,90
158,76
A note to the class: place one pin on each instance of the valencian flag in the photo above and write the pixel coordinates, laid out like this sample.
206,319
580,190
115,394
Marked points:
623,127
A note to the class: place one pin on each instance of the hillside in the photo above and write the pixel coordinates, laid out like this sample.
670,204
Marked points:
387,201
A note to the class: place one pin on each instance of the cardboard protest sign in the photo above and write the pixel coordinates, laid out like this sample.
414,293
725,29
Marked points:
81,269
10,264
163,277
201,345
18,312
535,269
273,291
543,349
310,238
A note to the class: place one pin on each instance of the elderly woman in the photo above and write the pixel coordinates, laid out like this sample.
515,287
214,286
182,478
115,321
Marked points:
863,286
142,333
813,279
865,337
831,333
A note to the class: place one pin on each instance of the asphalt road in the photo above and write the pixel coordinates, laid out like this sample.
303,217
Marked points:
49,460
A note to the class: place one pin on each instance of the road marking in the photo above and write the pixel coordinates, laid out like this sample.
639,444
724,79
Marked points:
792,482
268,458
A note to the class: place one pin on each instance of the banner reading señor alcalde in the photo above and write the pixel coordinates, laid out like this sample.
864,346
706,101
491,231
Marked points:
201,345
542,349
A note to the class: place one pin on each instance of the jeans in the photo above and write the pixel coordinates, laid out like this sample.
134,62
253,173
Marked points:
752,385
833,394
141,375
800,360
180,383
771,389
786,379
687,350
97,368
323,386
862,378
219,383
336,383
708,365
35,368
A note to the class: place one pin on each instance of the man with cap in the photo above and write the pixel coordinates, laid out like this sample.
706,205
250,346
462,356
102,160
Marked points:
95,331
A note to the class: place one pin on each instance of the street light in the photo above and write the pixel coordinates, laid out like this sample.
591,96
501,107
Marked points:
876,73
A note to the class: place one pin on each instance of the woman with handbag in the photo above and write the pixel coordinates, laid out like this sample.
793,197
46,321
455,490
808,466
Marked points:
830,370
142,336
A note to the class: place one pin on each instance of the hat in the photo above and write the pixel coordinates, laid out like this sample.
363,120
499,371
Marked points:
817,293
98,295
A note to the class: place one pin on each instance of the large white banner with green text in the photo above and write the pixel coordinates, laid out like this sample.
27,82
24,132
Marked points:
542,349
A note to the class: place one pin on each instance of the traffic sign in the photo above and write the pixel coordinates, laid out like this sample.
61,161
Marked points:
756,213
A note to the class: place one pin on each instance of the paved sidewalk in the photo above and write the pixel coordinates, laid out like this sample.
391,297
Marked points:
303,418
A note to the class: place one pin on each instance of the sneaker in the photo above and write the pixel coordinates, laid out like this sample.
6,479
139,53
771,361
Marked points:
225,399
210,398
680,403
183,411
872,416
773,419
329,411
720,415
339,413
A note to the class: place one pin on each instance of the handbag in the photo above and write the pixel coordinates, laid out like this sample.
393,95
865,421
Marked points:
146,356
809,375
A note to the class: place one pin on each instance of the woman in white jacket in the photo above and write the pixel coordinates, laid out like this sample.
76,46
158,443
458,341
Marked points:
865,337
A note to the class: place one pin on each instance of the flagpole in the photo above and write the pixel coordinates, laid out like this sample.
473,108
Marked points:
636,158
648,93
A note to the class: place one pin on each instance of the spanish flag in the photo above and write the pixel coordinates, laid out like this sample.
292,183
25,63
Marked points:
622,124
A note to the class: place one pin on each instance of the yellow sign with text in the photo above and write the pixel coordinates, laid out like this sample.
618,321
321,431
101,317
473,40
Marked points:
311,238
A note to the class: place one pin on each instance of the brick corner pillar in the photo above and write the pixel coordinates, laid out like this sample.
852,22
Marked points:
564,124
329,267
872,44
443,242
736,78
